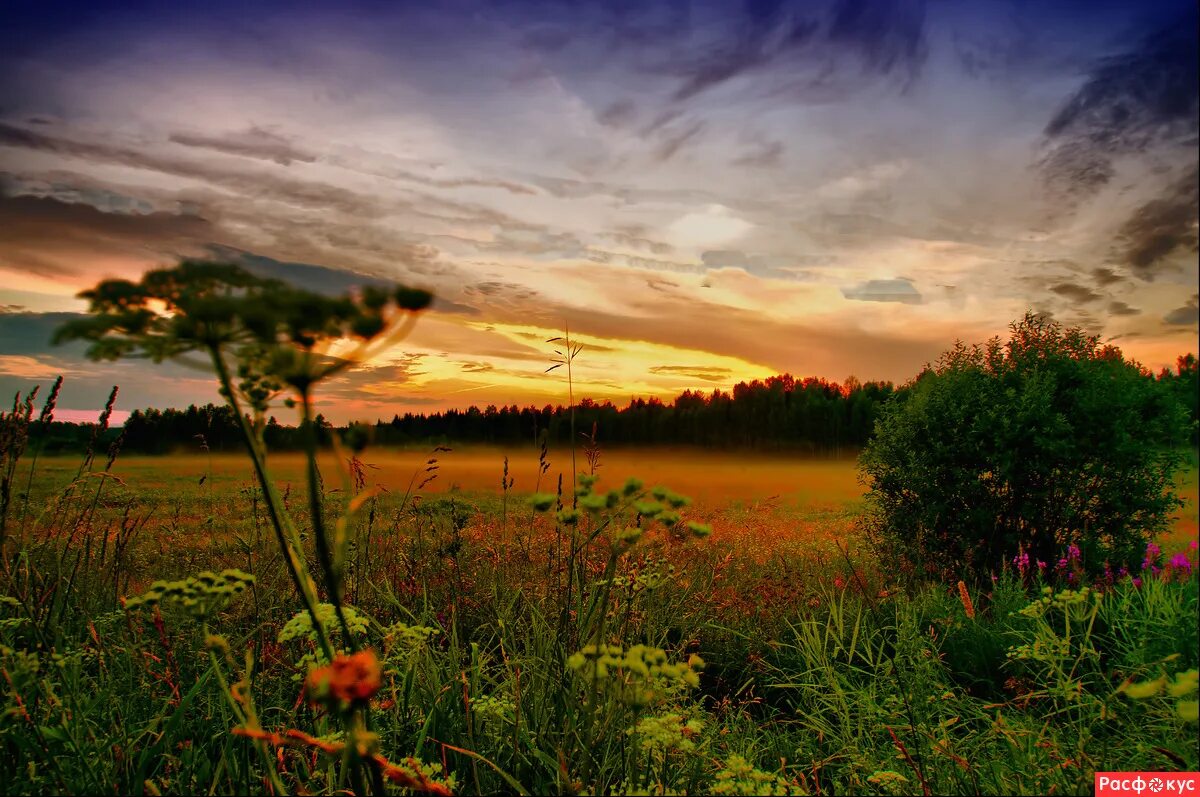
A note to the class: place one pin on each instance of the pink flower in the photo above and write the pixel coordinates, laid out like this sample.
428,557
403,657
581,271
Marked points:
1180,562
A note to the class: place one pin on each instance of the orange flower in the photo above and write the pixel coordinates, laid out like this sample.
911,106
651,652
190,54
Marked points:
965,597
349,679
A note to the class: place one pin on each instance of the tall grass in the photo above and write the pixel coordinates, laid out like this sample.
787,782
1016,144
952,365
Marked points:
845,685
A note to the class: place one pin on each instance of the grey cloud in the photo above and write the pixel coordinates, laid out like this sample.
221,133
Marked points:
1162,227
675,140
1106,276
752,264
764,156
255,142
637,242
1188,315
1129,104
887,37
29,334
893,290
618,114
47,236
635,261
1075,292
1122,309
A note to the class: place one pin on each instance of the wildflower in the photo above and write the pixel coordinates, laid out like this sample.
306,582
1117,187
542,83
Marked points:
888,781
1073,552
965,597
347,680
666,733
739,776
1151,559
1180,562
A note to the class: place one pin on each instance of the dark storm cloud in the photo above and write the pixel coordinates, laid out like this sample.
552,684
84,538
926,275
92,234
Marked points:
1162,227
1130,104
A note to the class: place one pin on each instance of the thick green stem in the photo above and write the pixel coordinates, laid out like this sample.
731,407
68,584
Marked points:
285,531
333,582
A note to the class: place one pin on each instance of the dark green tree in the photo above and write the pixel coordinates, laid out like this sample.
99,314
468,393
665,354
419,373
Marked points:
1028,446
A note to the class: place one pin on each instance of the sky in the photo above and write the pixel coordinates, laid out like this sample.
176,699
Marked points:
703,192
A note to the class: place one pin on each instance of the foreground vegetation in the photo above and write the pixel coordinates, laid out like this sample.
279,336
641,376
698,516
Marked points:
596,636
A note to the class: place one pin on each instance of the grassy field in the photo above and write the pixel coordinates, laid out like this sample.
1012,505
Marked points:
804,498
775,654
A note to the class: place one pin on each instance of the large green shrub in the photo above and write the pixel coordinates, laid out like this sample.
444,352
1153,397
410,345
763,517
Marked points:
1024,448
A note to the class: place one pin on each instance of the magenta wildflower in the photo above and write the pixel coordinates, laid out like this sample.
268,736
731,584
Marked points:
1180,562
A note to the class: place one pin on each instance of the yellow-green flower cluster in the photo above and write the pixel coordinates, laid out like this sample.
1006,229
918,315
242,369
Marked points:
888,782
667,733
1041,649
1068,600
739,777
200,596
1183,684
301,627
406,639
638,676
492,711
654,574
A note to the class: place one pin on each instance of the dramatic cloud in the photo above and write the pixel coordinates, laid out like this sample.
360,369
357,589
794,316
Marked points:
705,191
1131,103
1162,227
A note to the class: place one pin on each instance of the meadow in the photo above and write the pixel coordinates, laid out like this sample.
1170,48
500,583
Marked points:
775,654
359,620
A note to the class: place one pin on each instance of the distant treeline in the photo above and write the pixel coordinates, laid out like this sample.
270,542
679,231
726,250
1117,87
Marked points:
810,415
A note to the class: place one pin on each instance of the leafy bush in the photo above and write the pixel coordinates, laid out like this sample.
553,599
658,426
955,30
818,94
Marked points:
1022,449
